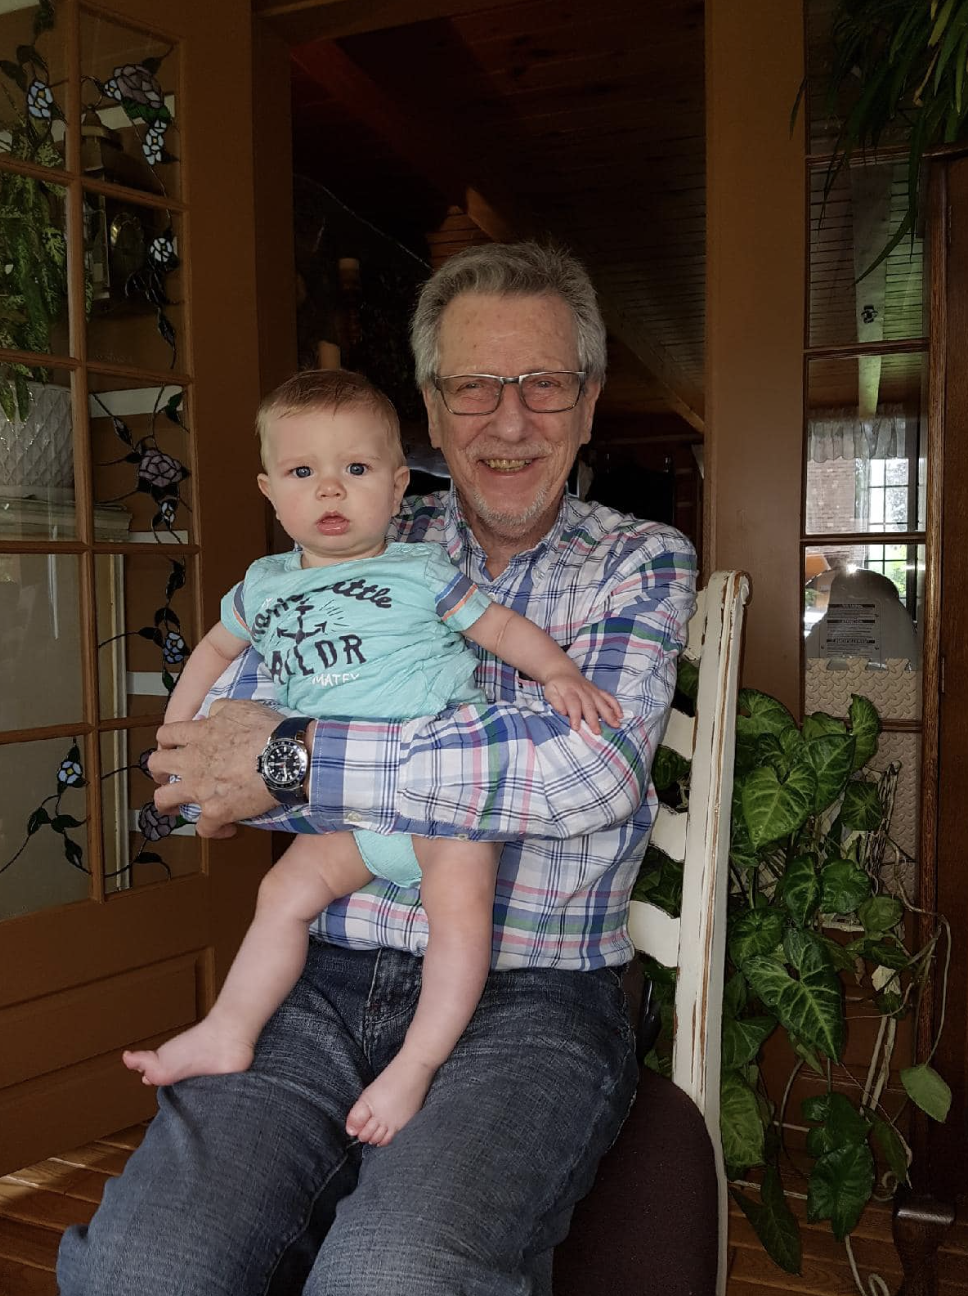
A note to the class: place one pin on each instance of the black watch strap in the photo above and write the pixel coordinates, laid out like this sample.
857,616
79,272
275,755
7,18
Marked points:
291,727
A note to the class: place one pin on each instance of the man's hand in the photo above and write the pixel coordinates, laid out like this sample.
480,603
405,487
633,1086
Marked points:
215,760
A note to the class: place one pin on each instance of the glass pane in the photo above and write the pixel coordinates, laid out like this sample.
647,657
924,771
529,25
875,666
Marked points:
129,121
40,642
137,317
850,301
32,75
33,281
862,627
37,461
144,617
141,448
865,466
903,749
141,846
43,841
824,124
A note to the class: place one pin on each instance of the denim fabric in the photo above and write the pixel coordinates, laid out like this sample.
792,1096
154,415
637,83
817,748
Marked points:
247,1185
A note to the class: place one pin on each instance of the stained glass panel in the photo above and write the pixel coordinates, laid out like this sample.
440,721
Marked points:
138,318
129,103
32,77
141,447
145,629
141,845
43,844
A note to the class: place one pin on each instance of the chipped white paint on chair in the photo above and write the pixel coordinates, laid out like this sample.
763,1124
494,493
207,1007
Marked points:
699,836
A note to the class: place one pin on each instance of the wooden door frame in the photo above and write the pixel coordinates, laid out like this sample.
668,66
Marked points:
92,977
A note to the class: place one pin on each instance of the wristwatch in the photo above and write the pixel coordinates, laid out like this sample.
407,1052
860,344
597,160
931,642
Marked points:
284,761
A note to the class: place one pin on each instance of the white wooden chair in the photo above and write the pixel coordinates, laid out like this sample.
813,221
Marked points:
694,943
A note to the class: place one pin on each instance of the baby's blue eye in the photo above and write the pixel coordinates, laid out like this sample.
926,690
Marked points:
356,469
302,471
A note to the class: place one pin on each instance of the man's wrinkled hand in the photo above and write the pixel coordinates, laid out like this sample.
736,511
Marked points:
215,762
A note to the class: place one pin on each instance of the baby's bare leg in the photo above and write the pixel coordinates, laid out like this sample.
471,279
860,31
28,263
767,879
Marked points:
457,890
312,873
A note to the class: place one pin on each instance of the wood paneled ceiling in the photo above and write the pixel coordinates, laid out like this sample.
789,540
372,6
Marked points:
584,123
581,122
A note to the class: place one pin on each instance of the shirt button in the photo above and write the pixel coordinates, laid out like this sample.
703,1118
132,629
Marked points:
461,837
354,817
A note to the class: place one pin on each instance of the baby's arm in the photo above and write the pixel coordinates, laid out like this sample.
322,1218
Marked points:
206,663
527,648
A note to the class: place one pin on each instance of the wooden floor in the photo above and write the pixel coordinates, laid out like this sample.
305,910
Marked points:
38,1203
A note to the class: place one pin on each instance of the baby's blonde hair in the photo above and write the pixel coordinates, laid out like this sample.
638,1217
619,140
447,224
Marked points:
326,391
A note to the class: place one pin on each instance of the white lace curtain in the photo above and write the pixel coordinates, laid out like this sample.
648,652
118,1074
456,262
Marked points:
840,434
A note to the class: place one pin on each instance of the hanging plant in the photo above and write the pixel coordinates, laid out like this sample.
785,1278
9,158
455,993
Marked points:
899,63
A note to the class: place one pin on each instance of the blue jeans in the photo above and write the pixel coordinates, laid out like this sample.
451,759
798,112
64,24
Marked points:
247,1184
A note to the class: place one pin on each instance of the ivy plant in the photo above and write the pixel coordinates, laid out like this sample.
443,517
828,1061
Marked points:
810,919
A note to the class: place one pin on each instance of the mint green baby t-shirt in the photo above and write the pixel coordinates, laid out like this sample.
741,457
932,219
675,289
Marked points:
370,638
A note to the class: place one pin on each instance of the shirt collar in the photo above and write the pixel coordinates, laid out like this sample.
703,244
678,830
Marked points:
462,543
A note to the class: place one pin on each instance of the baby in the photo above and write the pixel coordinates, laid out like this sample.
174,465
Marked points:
351,625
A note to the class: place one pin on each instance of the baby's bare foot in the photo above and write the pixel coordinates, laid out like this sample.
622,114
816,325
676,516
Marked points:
205,1049
385,1106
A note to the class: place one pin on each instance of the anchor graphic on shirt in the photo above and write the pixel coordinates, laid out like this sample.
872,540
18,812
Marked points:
328,651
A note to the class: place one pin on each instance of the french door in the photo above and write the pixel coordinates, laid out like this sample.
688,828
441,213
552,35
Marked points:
129,376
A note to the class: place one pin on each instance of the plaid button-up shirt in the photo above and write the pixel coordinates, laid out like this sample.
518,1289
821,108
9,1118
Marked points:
573,810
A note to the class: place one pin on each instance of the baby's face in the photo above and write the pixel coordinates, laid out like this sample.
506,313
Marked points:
335,480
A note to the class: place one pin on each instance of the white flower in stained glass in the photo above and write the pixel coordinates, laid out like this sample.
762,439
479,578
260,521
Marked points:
161,250
151,148
40,101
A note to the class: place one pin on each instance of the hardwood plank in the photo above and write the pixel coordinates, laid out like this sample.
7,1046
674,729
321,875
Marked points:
50,1210
28,1244
824,1276
96,1156
129,1138
21,1280
57,1176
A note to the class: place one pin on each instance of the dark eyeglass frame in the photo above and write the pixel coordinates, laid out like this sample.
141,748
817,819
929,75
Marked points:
580,374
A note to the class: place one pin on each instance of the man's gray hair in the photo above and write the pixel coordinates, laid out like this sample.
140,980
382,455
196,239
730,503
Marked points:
509,269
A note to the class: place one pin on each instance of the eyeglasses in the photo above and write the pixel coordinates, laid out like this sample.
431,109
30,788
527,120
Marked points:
551,391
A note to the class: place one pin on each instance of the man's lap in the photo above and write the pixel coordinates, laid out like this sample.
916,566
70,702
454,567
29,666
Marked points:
239,1176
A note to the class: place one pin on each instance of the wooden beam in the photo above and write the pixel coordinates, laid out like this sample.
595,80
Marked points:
429,149
755,289
299,21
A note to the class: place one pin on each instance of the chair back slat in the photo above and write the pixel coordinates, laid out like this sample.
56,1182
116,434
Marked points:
669,832
680,733
654,931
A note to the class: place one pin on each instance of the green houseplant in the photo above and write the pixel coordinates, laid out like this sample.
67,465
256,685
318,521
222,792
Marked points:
811,923
897,64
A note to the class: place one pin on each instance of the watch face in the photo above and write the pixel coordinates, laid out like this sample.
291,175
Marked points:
284,762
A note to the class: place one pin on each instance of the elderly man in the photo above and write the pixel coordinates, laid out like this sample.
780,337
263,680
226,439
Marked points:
247,1183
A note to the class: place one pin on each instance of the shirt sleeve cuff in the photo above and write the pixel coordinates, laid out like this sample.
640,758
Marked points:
353,779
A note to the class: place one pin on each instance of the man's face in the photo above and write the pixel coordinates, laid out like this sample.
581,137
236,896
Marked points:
509,467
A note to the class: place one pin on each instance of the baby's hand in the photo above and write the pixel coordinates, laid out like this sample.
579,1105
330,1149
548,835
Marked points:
577,698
